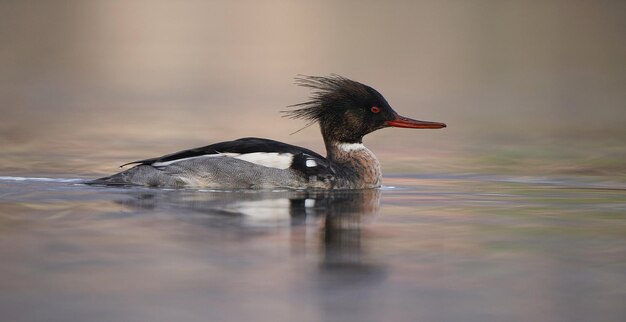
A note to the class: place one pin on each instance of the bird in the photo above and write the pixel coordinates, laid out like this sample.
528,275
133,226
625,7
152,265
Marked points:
345,110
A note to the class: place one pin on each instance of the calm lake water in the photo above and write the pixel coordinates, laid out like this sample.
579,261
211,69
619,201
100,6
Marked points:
533,93
423,248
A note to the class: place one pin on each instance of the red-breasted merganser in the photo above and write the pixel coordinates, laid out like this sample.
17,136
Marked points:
345,110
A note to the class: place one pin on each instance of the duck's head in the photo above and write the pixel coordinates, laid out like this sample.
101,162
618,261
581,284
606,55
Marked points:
347,110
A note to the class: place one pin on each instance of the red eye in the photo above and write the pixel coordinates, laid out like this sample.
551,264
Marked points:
375,109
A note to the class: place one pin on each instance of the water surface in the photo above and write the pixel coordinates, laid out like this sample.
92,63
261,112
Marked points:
533,93
423,248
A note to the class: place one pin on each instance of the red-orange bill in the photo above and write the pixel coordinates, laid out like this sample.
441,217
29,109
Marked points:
408,123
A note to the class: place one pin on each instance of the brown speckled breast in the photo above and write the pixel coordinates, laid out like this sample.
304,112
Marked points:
356,166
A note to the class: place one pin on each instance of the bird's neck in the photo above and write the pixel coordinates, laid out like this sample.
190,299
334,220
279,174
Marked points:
356,167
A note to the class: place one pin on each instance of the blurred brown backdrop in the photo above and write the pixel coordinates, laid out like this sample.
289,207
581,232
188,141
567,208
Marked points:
525,86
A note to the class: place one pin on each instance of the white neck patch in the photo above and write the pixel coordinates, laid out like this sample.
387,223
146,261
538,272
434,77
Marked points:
351,147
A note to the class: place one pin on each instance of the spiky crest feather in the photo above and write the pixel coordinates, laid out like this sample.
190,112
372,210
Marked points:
325,90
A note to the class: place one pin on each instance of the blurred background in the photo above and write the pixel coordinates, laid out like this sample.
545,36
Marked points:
526,87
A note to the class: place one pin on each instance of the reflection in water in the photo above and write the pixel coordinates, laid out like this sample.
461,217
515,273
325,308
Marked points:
341,215
341,209
344,265
446,249
348,281
342,233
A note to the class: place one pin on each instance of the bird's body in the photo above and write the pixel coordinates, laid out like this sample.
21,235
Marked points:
346,111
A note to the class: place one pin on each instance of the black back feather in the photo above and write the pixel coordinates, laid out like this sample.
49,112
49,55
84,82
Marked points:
240,146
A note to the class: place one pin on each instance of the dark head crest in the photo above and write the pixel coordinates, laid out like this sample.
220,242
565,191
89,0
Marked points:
327,93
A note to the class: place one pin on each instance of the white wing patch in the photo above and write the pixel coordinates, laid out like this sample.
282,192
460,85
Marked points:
266,159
